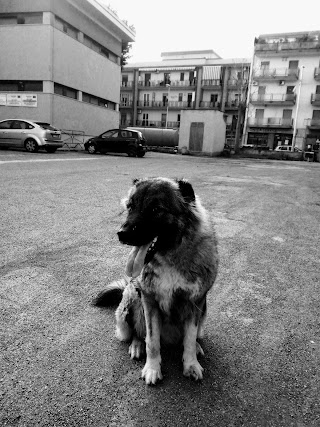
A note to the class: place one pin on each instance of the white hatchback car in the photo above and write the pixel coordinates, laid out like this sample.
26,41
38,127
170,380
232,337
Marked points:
283,148
32,135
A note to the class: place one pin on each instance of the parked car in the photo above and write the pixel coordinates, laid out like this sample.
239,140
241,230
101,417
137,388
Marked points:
127,141
32,135
283,148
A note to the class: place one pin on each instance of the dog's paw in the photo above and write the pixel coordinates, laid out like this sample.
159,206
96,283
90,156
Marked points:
193,369
151,375
137,349
199,349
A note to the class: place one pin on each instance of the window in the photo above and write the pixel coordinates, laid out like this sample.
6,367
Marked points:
290,90
265,64
65,91
97,47
6,124
181,77
21,86
61,25
213,99
100,102
21,18
180,98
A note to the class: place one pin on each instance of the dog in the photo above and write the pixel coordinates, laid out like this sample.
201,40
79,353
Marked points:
170,269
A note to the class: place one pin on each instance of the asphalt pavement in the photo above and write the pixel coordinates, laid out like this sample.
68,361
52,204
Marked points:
60,362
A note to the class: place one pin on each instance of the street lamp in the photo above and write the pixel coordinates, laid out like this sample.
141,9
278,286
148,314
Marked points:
168,86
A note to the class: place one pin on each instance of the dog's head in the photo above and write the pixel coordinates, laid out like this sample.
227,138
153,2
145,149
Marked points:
159,212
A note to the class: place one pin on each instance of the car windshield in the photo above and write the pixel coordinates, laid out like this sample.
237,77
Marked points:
46,126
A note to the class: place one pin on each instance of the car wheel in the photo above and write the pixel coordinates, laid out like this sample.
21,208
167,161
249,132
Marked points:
31,146
132,152
51,149
92,149
141,154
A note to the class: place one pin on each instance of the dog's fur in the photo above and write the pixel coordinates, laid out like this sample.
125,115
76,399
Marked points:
172,266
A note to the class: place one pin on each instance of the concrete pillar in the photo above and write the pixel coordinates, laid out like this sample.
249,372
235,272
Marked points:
198,88
225,78
135,95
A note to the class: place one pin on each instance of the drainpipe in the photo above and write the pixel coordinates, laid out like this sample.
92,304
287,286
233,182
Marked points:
297,110
245,123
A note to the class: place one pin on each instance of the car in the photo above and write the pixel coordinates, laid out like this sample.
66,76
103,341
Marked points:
129,141
283,148
32,135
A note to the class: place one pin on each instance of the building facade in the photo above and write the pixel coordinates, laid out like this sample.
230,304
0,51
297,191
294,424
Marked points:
154,94
284,92
60,63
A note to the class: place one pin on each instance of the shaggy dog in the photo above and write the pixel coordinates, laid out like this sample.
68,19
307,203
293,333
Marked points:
170,269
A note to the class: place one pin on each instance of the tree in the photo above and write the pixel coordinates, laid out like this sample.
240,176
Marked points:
125,54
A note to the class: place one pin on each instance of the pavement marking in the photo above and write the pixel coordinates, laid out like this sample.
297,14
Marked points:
44,160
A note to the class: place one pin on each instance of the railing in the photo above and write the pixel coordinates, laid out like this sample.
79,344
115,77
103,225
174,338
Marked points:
124,104
163,83
278,46
72,139
232,104
270,121
237,82
274,73
157,124
289,98
315,123
315,98
208,104
211,82
164,104
126,84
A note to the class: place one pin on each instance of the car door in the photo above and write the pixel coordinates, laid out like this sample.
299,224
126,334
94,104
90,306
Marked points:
106,141
18,132
124,140
5,132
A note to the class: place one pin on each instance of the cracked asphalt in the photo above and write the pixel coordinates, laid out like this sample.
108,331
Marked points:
60,363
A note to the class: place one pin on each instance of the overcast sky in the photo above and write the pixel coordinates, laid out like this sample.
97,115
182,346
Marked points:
226,26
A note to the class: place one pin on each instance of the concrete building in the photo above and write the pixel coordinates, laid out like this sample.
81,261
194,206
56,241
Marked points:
154,94
284,94
60,63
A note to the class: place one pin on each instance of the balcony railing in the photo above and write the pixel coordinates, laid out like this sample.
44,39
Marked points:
163,104
270,122
163,83
317,73
280,46
232,104
315,99
127,85
313,123
157,124
276,74
211,82
238,83
210,105
280,99
126,104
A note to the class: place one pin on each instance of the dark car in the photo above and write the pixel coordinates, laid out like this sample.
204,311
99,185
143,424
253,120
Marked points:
127,141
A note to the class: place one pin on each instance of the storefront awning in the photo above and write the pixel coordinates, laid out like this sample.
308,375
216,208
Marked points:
211,73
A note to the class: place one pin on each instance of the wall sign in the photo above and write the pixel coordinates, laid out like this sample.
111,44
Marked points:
19,100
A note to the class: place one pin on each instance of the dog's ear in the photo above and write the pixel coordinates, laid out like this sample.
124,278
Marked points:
135,181
186,190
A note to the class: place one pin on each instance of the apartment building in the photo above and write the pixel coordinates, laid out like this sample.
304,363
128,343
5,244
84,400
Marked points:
284,94
153,94
60,63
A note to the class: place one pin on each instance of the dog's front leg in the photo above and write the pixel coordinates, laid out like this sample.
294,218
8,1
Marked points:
152,369
191,366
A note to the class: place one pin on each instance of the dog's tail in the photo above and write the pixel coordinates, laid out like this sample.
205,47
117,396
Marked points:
112,294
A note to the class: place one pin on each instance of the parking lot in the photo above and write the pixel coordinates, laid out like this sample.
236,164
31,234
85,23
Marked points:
60,362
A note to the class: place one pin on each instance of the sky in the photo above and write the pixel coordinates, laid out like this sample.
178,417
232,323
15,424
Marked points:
226,26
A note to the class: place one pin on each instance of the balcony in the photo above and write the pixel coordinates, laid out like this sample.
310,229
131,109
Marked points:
273,99
126,104
317,73
232,105
315,99
211,84
210,105
126,85
274,47
270,74
173,105
237,83
313,124
270,122
157,124
161,84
